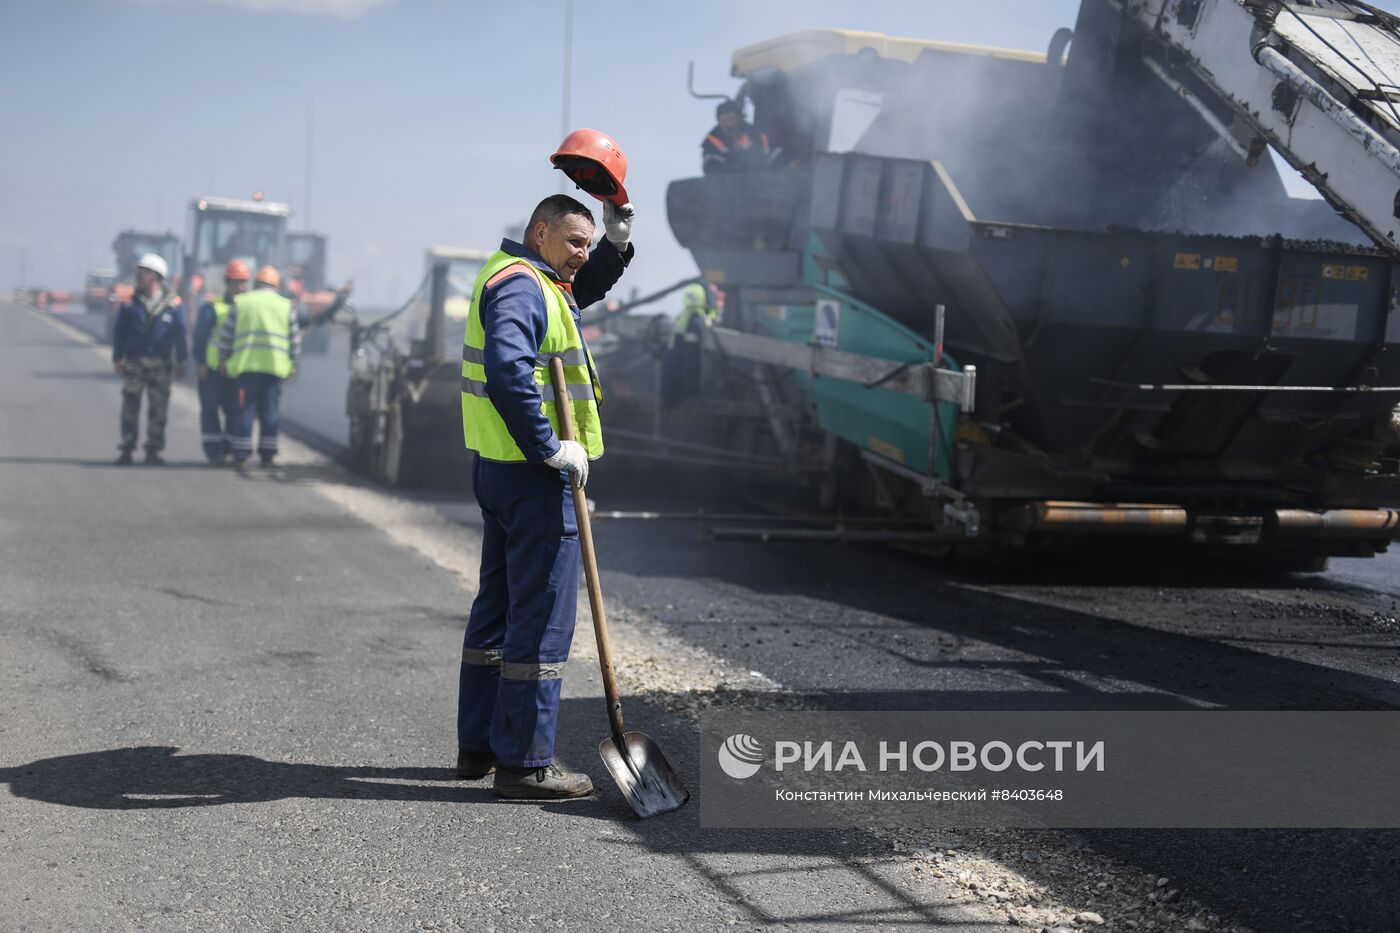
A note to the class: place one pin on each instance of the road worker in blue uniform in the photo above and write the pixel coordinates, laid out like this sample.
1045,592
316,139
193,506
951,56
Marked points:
525,310
148,332
258,349
217,404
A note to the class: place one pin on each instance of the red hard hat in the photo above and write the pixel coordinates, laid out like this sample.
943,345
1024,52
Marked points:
594,161
236,271
268,275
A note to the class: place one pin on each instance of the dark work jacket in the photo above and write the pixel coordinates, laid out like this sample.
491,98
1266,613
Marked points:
138,334
745,151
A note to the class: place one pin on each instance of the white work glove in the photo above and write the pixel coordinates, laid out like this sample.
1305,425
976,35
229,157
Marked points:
617,222
574,458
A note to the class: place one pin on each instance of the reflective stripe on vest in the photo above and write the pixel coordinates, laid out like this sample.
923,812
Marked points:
211,349
262,335
483,429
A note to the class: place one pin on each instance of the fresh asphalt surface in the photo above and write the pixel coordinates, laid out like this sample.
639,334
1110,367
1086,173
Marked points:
312,708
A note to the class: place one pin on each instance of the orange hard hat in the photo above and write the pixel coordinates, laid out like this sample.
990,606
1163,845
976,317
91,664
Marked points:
268,275
594,161
236,271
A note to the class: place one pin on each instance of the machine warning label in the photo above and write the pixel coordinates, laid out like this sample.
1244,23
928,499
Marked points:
1187,261
1337,271
886,449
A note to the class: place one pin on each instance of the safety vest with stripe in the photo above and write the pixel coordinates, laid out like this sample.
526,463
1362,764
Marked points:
482,426
262,335
211,350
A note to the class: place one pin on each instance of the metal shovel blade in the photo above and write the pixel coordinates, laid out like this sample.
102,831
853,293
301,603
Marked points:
643,775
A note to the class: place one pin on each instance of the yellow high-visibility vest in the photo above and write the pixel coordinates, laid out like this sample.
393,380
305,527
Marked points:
482,426
262,335
211,349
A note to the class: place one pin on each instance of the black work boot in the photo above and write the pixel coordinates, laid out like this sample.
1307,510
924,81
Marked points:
123,459
550,782
153,458
474,765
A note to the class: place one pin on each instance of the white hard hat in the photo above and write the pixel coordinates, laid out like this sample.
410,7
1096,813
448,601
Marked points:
155,263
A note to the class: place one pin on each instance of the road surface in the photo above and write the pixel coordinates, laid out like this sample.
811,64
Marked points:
232,703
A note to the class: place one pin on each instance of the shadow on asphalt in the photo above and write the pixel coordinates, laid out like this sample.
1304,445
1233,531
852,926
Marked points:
82,375
302,474
56,343
105,464
157,777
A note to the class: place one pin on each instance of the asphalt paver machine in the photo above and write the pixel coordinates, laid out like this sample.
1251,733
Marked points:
1097,310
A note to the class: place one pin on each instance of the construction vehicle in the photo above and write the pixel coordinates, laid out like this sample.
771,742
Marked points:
224,229
305,276
97,290
127,248
1129,329
1004,298
403,397
306,261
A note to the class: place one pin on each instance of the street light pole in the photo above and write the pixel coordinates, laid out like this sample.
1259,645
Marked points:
568,76
306,192
296,83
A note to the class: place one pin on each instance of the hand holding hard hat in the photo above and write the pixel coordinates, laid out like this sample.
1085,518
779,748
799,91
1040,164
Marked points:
594,161
617,223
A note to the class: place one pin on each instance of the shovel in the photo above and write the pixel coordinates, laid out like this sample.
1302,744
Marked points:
632,758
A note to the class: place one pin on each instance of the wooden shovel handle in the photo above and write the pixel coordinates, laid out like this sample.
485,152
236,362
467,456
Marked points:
590,559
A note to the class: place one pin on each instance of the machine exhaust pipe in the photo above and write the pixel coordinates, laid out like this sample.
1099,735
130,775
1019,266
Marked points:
1337,523
1058,517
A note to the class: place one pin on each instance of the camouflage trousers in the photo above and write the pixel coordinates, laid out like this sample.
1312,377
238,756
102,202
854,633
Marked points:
151,375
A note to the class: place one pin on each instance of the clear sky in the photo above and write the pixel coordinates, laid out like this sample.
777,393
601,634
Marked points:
432,120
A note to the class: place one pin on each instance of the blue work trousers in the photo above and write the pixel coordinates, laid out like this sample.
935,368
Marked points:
217,411
522,621
258,396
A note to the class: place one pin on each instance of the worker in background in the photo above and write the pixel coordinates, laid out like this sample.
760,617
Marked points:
734,145
258,349
680,368
699,309
524,309
149,333
217,406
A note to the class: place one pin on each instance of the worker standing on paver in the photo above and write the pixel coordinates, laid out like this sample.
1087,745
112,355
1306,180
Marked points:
525,310
217,408
680,367
259,344
733,144
149,331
